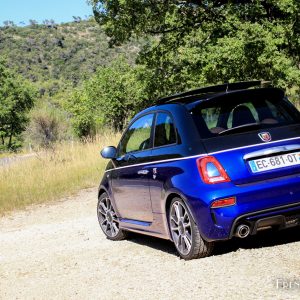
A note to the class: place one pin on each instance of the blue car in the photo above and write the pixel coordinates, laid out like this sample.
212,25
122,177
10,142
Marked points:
204,166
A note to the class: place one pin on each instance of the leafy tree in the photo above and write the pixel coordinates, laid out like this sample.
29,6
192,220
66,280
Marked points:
16,99
83,112
9,23
33,23
77,19
207,42
110,98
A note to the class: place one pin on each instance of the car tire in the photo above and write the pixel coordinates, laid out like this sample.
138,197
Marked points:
185,233
108,220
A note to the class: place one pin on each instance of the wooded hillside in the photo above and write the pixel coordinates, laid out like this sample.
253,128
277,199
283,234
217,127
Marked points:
55,57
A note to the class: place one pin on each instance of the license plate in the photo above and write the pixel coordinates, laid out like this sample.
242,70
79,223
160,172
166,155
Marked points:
274,162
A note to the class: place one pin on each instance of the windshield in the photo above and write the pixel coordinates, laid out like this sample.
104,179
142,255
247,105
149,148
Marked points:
243,112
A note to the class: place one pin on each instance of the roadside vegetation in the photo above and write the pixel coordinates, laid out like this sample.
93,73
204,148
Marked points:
61,84
96,73
41,68
54,173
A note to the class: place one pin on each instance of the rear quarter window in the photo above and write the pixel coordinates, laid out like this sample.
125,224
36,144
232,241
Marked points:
164,130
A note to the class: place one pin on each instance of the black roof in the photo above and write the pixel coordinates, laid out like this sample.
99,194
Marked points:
211,91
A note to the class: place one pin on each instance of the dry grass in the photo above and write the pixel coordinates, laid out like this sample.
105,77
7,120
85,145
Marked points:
12,154
54,174
5,154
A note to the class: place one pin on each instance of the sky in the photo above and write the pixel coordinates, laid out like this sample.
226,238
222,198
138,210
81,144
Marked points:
59,10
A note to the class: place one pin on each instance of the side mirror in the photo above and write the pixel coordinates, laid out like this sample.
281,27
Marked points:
109,152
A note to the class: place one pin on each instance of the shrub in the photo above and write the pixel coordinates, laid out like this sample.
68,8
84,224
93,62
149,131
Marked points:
47,126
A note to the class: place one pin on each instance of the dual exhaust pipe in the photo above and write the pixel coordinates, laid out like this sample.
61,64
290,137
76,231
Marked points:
242,231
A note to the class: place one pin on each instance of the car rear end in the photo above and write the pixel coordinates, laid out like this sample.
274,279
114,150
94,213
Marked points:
251,175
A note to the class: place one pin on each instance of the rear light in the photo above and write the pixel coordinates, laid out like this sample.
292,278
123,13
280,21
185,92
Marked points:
223,202
211,170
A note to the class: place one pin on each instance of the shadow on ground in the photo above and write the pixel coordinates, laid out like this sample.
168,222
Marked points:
269,238
261,240
152,242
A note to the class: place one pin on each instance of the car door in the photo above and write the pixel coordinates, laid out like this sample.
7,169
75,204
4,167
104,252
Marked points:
130,179
165,148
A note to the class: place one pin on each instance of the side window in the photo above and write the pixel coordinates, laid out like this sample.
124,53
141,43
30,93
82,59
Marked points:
164,130
138,136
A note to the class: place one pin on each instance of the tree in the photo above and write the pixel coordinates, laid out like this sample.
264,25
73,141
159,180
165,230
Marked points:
77,19
9,23
16,99
110,98
33,23
207,42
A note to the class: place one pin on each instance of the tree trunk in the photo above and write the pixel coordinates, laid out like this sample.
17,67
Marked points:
9,141
10,137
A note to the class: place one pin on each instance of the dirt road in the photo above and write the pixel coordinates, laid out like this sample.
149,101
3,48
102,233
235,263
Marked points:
56,251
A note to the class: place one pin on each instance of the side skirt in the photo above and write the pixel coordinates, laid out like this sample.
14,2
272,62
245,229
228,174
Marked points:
157,228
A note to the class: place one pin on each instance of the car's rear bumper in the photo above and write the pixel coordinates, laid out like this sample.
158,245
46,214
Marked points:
281,217
262,205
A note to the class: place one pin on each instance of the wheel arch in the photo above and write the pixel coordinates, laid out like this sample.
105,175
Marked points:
173,194
177,194
101,191
169,199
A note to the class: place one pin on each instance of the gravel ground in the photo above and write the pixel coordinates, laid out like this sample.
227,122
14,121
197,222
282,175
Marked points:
57,251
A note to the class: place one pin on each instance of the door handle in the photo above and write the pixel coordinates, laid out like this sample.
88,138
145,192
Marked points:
143,172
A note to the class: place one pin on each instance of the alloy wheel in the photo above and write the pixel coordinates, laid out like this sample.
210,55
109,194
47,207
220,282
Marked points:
107,217
180,226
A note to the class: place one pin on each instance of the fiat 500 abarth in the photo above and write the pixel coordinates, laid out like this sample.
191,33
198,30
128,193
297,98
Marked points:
204,166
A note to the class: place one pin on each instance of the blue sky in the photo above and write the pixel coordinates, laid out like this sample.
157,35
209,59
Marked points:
39,10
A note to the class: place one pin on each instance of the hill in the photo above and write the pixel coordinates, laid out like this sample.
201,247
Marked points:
59,57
